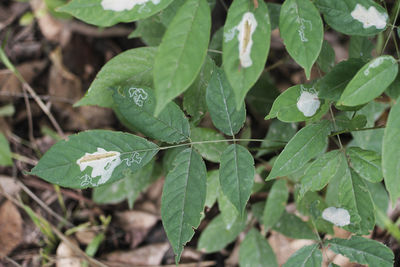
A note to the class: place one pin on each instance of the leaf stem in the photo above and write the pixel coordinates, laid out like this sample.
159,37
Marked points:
357,130
211,142
391,28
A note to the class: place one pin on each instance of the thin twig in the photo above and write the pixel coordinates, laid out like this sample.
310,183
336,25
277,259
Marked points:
44,108
43,205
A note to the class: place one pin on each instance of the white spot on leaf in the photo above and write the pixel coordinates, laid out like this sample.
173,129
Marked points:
139,95
102,163
337,216
369,17
121,5
376,63
246,28
308,102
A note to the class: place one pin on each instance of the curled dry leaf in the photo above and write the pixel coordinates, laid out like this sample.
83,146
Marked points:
284,247
66,256
10,228
9,185
137,223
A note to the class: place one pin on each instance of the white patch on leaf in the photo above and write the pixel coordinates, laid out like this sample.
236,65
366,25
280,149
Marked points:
376,63
308,102
102,163
370,17
246,28
139,95
121,5
337,216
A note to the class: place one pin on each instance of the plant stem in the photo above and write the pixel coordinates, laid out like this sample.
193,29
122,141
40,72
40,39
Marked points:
356,130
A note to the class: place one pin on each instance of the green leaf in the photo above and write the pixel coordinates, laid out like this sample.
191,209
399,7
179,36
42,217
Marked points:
393,91
371,139
220,101
134,66
255,251
380,197
247,37
127,188
343,123
326,58
216,45
194,99
217,228
228,211
182,51
356,199
367,164
209,151
183,198
169,157
109,12
168,14
370,81
274,11
322,170
5,152
279,133
93,158
307,256
150,30
332,85
137,105
305,145
354,17
313,205
236,175
363,250
298,103
262,95
276,203
212,188
391,152
302,31
292,226
360,47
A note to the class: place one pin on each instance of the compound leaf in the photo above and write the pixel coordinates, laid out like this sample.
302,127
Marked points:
308,256
391,152
247,37
370,81
366,163
322,170
217,228
137,105
221,104
236,175
354,196
354,17
183,199
182,51
298,103
302,31
363,250
332,85
256,251
106,13
276,203
305,145
93,158
120,70
209,151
